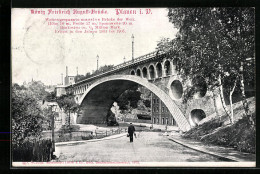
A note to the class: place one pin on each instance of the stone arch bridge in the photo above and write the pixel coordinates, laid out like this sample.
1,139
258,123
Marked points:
155,71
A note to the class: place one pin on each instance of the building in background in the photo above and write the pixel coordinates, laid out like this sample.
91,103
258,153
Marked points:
69,80
60,90
160,113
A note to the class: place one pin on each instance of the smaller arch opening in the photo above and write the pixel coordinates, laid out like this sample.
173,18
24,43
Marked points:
132,72
152,72
167,67
144,72
176,89
138,72
196,116
159,69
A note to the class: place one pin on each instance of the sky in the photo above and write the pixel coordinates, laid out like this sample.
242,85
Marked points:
40,53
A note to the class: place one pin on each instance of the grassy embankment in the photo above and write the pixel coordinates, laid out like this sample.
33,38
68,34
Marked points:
219,131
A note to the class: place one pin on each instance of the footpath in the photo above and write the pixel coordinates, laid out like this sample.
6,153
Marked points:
92,140
224,153
156,126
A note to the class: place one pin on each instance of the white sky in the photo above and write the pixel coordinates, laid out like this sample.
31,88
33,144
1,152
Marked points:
39,53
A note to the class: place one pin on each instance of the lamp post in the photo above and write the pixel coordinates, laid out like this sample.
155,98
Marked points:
132,47
52,128
97,61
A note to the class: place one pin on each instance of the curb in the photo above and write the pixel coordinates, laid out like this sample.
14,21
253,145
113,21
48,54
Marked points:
86,141
205,151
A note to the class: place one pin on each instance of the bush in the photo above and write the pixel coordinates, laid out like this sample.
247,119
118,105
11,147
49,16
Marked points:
204,129
240,136
33,150
86,137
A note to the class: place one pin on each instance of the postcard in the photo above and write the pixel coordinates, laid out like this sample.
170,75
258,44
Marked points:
133,87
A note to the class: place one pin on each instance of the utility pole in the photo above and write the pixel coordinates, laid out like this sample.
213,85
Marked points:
132,47
97,61
52,130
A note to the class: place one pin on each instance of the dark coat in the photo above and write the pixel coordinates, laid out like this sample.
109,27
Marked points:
131,130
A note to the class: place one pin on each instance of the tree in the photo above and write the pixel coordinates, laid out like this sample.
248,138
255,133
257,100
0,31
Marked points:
50,97
104,68
67,102
129,99
79,78
37,89
47,118
165,44
211,43
101,69
111,119
147,103
16,87
27,116
195,47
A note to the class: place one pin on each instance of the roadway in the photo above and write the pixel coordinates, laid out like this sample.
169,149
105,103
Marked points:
147,147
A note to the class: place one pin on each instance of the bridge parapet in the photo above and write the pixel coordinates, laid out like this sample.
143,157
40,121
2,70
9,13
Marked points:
124,65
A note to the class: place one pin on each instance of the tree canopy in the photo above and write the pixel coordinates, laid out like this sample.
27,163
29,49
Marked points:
101,69
213,43
68,104
27,116
129,99
212,37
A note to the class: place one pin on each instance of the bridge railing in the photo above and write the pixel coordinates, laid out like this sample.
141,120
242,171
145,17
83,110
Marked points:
61,136
125,64
138,59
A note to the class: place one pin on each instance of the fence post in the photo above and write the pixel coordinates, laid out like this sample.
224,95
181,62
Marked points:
106,133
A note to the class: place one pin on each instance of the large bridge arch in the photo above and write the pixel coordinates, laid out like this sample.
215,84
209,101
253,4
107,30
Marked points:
98,98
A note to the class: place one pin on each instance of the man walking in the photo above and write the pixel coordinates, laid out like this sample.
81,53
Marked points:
131,130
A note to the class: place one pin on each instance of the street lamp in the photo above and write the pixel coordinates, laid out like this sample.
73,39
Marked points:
97,61
52,128
132,47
